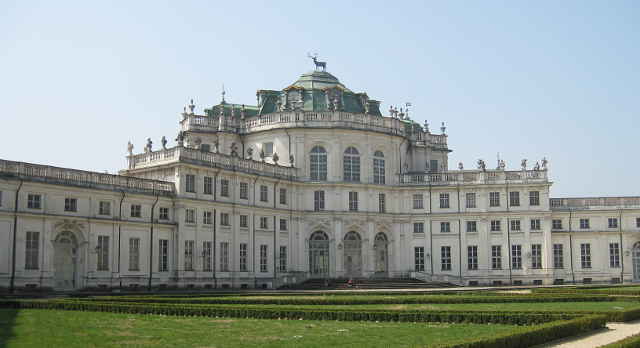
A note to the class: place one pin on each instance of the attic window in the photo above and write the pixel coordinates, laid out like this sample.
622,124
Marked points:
268,149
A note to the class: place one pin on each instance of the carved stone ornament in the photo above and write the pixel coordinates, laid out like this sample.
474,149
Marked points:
130,148
69,225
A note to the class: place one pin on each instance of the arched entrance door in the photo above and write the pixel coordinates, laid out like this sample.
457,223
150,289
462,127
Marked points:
352,255
319,255
65,256
381,254
636,261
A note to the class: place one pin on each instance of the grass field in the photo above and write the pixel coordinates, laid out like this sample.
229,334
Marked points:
51,328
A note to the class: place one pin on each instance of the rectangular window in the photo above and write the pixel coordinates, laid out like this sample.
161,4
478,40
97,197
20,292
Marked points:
103,253
244,190
263,258
418,253
283,259
472,226
243,257
495,226
163,255
535,225
32,250
515,225
614,255
471,200
207,217
433,166
188,255
444,200
318,200
445,258
472,257
190,183
638,222
224,256
264,223
585,255
283,224
558,257
264,193
516,256
208,185
134,254
418,201
536,256
164,213
136,210
496,257
34,201
207,256
70,204
267,148
445,226
105,208
283,196
353,201
584,224
494,199
556,224
244,221
514,199
190,216
418,227
613,222
381,203
534,198
224,219
224,188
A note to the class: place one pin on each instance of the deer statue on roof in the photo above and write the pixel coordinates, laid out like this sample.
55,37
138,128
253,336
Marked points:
318,64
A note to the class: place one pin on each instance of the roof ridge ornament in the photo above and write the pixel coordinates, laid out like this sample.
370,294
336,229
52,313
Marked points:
317,63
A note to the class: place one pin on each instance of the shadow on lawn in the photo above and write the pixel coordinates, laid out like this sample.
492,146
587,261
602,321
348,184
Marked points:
7,322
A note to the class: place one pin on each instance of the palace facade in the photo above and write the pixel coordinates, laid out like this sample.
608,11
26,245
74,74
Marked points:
311,182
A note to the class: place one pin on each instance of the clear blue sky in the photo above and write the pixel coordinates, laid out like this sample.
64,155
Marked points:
524,78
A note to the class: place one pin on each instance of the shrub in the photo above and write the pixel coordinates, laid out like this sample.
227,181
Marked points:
629,342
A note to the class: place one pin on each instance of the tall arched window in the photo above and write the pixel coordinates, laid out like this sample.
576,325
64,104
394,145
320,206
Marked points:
378,168
351,164
318,164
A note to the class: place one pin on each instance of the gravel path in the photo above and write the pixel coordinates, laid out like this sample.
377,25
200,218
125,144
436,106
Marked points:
614,332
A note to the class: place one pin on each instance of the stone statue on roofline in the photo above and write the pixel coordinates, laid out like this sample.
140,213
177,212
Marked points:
250,153
544,163
164,142
460,166
523,164
275,158
130,148
180,139
149,146
482,166
537,166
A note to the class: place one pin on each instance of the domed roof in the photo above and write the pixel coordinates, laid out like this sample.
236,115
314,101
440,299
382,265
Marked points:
318,80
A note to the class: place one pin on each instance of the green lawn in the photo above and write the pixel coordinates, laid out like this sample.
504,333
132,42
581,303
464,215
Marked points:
51,328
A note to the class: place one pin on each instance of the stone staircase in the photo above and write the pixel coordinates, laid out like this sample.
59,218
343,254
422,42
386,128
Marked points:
371,283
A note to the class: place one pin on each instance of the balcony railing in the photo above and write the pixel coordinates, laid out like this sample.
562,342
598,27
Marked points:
209,159
474,177
66,176
293,119
594,203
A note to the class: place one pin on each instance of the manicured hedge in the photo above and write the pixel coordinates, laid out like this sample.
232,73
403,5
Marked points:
530,336
356,300
514,318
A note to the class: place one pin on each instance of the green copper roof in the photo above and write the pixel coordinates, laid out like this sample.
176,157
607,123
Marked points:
318,80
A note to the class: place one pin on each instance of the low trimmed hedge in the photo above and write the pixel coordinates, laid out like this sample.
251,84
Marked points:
530,336
357,300
495,317
629,342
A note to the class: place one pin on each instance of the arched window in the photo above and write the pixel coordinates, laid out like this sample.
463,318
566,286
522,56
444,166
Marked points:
318,164
378,168
351,163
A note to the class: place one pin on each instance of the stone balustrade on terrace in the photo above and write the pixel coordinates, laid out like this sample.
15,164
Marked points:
81,178
293,119
594,203
468,177
208,159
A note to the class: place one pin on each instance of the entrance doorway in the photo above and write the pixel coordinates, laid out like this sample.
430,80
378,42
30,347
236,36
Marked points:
319,255
352,255
381,251
65,250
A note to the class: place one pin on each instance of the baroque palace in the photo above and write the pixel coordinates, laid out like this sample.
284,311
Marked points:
311,182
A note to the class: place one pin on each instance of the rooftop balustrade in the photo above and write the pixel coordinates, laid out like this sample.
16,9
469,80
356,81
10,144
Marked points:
467,177
74,177
307,119
594,203
209,159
